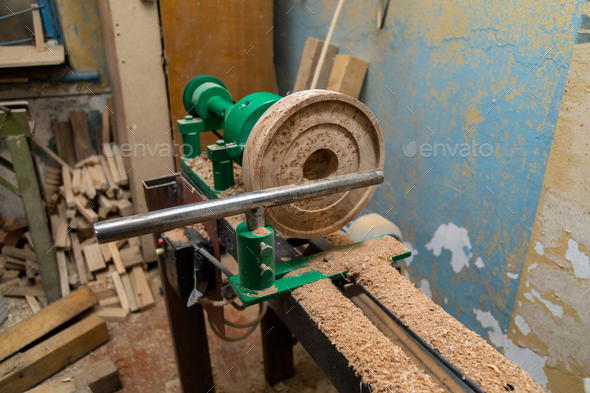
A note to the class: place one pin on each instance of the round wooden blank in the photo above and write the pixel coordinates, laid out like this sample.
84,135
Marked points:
309,135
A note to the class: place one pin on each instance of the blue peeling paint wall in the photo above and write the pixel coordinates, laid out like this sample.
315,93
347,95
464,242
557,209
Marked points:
445,75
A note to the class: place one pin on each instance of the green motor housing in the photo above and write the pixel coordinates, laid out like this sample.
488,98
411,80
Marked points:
210,107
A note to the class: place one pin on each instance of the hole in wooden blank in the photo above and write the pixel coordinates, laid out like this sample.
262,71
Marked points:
320,164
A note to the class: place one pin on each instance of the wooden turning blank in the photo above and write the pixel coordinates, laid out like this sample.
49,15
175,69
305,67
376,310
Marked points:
310,135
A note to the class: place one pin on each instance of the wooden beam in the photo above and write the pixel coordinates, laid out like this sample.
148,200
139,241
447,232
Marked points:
63,272
25,370
309,62
39,36
132,33
348,75
67,180
121,294
94,257
62,226
143,293
19,253
27,56
112,186
78,257
117,258
18,291
21,334
83,144
129,292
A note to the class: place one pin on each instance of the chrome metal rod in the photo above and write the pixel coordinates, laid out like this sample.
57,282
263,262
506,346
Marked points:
176,217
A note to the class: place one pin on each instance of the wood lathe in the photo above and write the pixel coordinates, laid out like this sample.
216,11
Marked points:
310,164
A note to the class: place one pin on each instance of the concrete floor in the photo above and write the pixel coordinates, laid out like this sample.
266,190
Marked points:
142,350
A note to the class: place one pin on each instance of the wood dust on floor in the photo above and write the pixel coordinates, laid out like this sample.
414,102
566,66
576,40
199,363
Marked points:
142,349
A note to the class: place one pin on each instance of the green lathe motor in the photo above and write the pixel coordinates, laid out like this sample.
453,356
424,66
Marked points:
210,107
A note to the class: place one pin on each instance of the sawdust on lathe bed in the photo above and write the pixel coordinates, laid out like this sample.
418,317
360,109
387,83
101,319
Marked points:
204,167
338,238
478,360
381,364
262,231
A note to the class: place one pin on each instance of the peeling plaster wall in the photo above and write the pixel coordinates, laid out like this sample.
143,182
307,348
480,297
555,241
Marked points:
452,74
552,313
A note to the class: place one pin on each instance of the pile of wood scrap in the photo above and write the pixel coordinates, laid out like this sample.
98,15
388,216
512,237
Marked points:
50,341
86,188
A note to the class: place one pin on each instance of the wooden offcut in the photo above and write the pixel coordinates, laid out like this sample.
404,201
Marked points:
78,257
28,330
348,75
143,293
25,370
83,144
27,56
94,257
63,272
112,314
121,294
309,62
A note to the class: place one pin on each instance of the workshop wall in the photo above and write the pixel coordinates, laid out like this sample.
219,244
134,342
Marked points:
468,95
51,97
552,313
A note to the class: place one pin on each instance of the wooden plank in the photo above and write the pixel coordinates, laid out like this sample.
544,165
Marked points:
143,293
112,314
19,253
94,258
27,56
38,29
106,127
77,181
111,184
33,304
110,157
120,165
121,294
63,272
33,366
131,256
129,292
18,291
67,179
78,257
83,144
309,62
117,258
62,226
62,133
98,377
348,75
19,335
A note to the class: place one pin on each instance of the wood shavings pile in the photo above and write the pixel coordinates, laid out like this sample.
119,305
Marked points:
381,364
461,346
204,167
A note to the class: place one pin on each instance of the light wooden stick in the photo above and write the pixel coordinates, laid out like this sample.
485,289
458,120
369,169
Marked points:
316,75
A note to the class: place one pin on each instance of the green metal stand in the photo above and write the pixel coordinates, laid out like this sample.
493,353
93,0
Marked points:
284,285
15,128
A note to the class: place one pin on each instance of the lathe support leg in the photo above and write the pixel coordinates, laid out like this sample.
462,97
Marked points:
189,338
277,348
